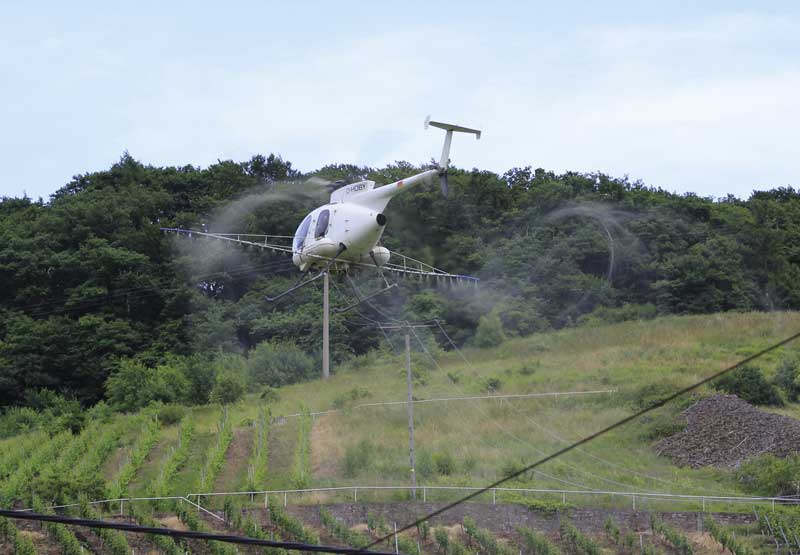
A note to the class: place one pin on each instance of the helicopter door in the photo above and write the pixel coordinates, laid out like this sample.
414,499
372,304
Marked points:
322,224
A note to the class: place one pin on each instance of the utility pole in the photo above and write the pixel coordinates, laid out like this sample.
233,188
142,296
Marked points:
410,417
326,340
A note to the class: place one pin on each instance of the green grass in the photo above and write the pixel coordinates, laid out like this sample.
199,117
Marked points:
474,442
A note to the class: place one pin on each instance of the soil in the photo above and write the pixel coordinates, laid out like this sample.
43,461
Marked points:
327,450
234,473
724,430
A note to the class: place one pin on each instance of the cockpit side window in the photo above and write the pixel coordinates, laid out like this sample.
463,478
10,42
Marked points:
322,224
300,234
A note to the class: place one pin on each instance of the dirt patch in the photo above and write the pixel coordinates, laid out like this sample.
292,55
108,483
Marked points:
723,430
172,522
326,451
234,473
704,543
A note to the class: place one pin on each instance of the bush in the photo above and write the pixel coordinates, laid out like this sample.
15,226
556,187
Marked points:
490,331
788,379
279,363
770,475
748,383
445,463
16,420
491,384
170,414
610,315
536,543
358,458
134,386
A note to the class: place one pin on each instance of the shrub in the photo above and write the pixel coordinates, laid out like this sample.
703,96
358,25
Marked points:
230,386
134,385
787,378
491,384
678,540
536,543
279,363
445,463
609,315
771,475
579,543
358,458
490,331
270,394
612,530
170,414
16,420
748,383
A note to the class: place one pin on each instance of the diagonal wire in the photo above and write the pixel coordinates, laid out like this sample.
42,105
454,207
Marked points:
553,434
173,533
590,437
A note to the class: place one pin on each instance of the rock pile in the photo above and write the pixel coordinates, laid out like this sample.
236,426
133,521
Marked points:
723,430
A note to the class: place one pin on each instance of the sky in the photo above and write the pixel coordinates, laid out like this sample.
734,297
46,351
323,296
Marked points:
688,96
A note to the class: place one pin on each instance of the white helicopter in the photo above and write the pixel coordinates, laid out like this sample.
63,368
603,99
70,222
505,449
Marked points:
347,230
344,234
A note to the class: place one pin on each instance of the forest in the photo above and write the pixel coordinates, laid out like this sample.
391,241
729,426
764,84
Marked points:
97,304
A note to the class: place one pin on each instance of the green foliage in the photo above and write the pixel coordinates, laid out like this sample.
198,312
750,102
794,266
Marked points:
787,377
22,543
770,475
88,281
60,533
748,383
442,540
356,393
259,454
174,459
490,331
170,414
679,541
603,315
231,379
293,527
301,471
483,540
612,530
578,542
359,458
277,363
725,538
445,463
342,532
147,440
215,457
134,385
113,540
535,543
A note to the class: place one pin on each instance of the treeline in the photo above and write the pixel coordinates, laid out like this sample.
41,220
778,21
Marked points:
90,288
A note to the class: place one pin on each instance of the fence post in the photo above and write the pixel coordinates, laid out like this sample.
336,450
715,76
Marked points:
424,495
121,504
564,497
266,495
634,502
284,498
355,495
494,497
704,504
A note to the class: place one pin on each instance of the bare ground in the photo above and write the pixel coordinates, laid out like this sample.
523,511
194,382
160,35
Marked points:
234,473
326,452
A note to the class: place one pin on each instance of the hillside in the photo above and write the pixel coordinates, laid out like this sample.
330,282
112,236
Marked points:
459,443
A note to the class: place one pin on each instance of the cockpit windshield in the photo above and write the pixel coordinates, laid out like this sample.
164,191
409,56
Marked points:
300,234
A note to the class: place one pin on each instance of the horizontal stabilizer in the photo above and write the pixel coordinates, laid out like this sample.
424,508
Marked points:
451,127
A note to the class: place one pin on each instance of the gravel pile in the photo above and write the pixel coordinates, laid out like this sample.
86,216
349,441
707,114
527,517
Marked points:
723,430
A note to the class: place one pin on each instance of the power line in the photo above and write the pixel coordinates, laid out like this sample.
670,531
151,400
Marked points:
590,437
558,437
242,540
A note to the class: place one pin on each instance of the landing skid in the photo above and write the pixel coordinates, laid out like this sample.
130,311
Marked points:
300,283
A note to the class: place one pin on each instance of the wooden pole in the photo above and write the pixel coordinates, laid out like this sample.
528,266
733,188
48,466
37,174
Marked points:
326,340
410,418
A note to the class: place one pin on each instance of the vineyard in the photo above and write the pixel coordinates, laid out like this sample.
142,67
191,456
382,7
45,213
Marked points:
154,466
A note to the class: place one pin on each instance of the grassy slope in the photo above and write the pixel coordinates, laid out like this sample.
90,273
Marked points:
486,438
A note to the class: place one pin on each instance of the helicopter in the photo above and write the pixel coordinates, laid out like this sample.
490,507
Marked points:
346,232
343,236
